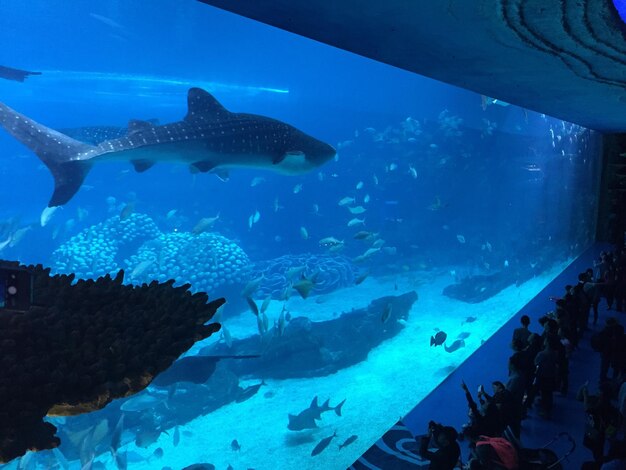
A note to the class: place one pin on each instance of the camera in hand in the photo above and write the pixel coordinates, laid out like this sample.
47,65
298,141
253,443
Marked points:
16,288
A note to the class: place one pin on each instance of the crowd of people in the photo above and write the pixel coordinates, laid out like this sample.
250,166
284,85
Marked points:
538,369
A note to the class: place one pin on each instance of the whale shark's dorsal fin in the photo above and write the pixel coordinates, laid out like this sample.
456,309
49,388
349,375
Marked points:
203,105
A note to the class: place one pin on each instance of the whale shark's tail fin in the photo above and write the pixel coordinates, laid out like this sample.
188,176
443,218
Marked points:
66,158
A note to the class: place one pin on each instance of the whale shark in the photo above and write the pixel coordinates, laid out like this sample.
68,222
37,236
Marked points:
209,139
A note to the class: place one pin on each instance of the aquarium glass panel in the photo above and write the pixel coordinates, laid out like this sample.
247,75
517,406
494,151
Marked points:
368,227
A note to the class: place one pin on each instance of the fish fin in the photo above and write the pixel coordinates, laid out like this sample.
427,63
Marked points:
279,158
201,105
136,125
203,166
314,403
432,340
222,175
338,407
142,165
66,158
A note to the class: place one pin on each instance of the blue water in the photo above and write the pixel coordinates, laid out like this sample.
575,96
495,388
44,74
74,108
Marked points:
451,185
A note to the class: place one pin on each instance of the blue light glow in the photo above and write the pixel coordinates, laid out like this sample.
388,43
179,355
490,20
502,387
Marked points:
620,5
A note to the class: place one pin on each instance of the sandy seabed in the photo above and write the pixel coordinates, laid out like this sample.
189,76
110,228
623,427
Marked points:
396,376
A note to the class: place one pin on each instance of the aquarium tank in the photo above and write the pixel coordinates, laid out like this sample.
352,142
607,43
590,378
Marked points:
369,228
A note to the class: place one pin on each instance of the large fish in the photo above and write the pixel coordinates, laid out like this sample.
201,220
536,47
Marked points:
307,418
209,138
194,369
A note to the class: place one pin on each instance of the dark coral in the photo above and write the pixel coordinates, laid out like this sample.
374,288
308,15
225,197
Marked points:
82,345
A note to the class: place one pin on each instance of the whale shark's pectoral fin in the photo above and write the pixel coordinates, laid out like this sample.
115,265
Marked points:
296,153
222,174
142,165
201,167
135,125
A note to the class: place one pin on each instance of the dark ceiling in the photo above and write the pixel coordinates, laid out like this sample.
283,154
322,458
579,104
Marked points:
564,58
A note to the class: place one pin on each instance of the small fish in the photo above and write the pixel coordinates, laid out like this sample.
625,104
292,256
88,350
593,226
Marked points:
81,213
235,446
276,206
141,268
228,339
146,437
375,179
266,303
386,313
256,181
158,452
5,243
295,272
469,320
346,201
176,437
460,238
249,392
304,234
260,326
348,441
463,335
254,218
116,436
366,199
280,324
370,252
378,243
127,211
438,339
357,210
315,209
171,213
323,444
359,185
297,188
392,167
47,214
360,278
356,221
329,242
458,344
253,306
252,286
266,322
304,287
363,235
412,172
205,224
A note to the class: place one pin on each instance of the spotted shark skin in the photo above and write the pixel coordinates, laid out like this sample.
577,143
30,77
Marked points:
209,139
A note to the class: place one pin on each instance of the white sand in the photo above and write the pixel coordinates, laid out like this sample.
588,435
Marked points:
397,375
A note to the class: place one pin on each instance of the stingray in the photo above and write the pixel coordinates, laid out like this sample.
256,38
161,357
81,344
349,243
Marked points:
194,369
17,75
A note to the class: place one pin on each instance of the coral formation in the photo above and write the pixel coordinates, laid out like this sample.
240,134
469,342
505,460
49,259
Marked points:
81,345
93,251
206,261
330,273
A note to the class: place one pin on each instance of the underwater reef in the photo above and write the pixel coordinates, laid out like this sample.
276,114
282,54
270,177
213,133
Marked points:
206,260
82,345
331,272
309,348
